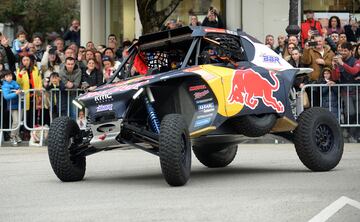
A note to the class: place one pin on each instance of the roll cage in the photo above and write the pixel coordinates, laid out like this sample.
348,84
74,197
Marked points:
180,48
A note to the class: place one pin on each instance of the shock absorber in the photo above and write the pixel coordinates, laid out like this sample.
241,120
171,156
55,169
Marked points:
154,121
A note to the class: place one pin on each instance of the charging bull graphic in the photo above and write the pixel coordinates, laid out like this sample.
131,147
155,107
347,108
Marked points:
249,86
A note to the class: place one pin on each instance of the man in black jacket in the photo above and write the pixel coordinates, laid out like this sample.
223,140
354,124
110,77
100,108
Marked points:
7,53
73,34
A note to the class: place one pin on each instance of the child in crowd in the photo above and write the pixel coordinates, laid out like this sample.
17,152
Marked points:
11,91
20,44
329,94
53,83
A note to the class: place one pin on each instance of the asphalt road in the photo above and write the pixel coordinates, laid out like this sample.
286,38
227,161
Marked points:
264,183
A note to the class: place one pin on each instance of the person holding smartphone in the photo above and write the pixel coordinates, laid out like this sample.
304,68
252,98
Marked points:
213,19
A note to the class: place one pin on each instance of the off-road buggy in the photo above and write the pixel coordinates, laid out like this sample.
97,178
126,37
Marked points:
199,88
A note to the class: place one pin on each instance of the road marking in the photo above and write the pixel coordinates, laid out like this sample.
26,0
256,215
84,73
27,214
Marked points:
330,210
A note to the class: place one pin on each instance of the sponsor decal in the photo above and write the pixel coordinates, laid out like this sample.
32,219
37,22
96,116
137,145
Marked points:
202,122
204,101
107,107
103,98
248,87
115,89
205,116
214,30
201,94
196,88
270,59
206,106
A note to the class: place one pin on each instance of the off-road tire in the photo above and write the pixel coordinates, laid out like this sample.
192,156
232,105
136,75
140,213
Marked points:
175,150
254,125
63,131
318,139
216,155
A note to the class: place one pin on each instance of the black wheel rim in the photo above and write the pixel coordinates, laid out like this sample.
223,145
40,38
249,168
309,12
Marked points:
324,138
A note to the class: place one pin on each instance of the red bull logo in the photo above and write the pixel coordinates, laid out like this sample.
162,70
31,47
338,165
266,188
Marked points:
248,87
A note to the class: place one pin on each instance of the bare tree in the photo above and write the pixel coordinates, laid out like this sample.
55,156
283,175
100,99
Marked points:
150,18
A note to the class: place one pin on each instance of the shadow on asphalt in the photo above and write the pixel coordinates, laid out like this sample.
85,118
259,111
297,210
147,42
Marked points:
198,174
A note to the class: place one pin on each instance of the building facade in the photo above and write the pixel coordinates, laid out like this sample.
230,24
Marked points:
99,18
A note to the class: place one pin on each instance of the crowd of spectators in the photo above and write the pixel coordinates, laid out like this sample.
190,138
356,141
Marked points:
333,54
62,64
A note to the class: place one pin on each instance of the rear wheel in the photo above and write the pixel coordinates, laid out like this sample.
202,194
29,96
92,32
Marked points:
318,139
64,135
216,155
254,125
175,150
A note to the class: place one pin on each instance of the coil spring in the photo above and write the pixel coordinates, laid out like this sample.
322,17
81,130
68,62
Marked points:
154,121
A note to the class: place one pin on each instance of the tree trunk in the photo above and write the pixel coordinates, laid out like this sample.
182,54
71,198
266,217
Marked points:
150,18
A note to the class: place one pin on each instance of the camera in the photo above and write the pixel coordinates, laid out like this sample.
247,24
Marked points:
312,44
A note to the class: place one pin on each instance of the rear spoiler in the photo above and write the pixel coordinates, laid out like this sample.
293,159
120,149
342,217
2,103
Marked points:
304,71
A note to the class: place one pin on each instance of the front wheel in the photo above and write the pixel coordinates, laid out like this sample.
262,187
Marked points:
175,150
318,139
63,137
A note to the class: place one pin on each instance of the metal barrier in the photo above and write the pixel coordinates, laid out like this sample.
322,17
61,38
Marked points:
340,99
8,115
43,107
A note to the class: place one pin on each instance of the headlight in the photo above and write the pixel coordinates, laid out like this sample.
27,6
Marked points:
77,104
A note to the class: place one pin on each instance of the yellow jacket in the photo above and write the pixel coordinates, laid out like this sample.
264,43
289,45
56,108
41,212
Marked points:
24,82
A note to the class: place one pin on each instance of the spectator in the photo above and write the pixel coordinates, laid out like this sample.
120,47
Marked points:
290,47
98,58
334,25
352,32
109,68
20,44
11,91
342,38
346,69
73,34
7,54
29,78
75,48
91,77
112,44
281,45
317,56
171,24
269,41
90,46
194,21
213,19
55,83
38,46
59,47
329,94
50,62
335,37
89,54
310,26
109,53
357,52
101,48
294,39
295,61
70,75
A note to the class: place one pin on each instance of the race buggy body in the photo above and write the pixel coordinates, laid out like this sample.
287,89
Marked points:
194,87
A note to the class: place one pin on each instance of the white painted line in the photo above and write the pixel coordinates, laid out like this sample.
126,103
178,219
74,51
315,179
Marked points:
330,210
